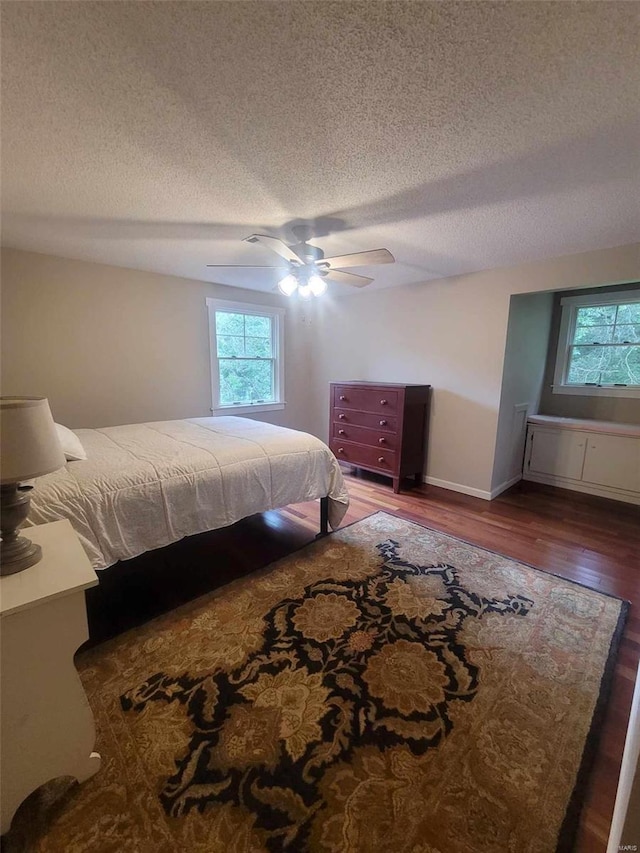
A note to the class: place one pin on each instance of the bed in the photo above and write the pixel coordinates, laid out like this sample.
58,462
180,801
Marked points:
144,486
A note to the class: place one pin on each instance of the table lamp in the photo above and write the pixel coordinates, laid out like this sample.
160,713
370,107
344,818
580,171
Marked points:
29,447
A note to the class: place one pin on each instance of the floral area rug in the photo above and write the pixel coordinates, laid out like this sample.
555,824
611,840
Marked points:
388,688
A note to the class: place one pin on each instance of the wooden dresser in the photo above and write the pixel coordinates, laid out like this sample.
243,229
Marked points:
380,427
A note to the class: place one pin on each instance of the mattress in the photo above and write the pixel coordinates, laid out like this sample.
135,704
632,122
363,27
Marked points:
144,486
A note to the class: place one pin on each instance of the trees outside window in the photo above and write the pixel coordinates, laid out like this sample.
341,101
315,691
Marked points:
246,356
599,345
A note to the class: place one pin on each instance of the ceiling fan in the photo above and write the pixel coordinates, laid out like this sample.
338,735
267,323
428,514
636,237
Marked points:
307,268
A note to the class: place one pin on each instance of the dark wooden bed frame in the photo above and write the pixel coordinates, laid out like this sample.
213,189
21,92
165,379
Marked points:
134,591
324,517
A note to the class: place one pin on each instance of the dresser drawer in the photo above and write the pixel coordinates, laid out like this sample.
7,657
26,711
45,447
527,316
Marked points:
365,399
360,454
362,435
365,419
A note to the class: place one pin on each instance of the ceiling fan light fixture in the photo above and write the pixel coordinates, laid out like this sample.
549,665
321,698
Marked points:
317,284
288,285
309,269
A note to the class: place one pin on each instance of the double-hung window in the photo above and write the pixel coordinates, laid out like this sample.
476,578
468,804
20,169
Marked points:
247,364
599,345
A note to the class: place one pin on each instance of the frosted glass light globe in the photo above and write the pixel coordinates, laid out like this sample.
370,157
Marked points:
288,285
317,284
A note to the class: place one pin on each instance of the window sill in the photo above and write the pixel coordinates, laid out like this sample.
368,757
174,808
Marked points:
596,390
249,410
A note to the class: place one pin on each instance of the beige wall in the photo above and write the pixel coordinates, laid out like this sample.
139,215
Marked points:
109,345
450,333
622,409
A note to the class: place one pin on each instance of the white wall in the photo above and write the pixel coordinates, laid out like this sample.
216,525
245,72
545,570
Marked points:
524,363
109,345
450,333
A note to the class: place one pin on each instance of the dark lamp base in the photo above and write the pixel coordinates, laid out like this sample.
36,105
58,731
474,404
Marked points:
18,555
16,552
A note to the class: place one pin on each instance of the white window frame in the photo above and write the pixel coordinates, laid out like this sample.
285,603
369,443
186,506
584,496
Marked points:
277,315
570,304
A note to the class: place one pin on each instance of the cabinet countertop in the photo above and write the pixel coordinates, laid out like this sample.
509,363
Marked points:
63,569
587,425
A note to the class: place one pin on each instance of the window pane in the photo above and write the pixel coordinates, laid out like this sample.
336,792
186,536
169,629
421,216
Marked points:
596,315
257,327
585,365
228,345
629,361
593,335
605,365
246,381
623,365
629,313
229,324
258,347
627,333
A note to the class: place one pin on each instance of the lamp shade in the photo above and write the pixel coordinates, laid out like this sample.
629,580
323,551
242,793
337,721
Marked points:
29,444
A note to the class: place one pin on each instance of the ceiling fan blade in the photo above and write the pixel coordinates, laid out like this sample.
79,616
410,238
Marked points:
362,259
348,278
249,266
276,246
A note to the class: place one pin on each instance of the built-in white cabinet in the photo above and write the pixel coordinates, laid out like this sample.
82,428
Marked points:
556,451
612,460
597,457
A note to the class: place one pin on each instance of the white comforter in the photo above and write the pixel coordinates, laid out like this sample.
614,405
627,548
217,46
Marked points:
146,485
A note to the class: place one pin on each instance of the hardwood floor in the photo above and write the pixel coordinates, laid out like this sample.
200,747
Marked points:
586,539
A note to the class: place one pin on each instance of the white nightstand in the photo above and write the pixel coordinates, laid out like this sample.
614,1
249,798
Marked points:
46,724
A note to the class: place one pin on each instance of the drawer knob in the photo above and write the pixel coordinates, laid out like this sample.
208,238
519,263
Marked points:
383,402
342,417
383,423
382,441
342,397
340,432
380,458
341,450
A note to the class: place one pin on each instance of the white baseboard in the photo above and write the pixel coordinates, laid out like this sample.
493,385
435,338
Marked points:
587,488
458,487
469,490
506,485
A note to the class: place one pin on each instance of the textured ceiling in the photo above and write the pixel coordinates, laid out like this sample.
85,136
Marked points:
461,136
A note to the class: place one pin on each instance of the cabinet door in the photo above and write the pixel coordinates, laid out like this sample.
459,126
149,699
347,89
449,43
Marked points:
612,460
558,452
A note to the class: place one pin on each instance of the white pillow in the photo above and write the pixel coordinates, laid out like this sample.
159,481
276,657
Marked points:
71,444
